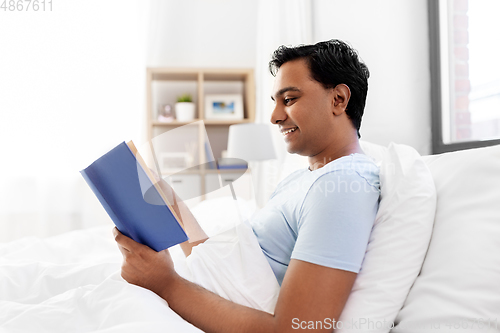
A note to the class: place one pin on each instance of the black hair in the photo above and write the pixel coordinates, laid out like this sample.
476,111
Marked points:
331,63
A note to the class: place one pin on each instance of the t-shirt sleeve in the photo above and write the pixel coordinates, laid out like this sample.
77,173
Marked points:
335,221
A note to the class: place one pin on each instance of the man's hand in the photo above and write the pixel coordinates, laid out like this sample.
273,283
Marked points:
145,267
309,292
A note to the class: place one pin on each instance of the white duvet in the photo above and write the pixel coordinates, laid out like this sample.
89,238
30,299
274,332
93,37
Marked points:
72,282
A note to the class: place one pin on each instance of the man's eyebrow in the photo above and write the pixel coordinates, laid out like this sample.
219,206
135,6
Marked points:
284,90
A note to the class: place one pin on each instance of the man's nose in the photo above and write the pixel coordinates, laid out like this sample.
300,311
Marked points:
278,114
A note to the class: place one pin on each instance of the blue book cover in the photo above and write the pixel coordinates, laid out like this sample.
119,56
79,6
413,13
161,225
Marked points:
116,178
233,166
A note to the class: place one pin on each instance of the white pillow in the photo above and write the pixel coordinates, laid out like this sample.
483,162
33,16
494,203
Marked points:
398,242
459,285
230,263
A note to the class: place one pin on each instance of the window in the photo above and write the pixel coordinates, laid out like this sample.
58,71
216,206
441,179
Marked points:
465,72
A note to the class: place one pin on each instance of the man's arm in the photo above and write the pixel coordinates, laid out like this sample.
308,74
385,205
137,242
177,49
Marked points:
309,294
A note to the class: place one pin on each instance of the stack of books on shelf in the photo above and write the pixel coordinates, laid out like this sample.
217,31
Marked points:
231,163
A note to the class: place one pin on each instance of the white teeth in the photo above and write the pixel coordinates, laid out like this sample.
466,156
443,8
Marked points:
289,131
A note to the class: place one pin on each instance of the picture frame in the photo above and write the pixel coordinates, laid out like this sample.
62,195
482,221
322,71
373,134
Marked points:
224,107
171,162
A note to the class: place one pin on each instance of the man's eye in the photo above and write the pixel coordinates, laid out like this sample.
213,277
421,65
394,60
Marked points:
288,100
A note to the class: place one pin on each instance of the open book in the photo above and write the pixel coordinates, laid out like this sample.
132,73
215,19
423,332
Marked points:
132,198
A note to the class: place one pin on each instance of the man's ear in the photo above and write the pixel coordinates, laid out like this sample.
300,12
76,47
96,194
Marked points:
341,96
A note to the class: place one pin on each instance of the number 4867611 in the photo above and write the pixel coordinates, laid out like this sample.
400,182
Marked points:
26,5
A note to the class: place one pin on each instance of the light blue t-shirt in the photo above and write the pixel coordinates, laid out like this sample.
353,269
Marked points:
323,216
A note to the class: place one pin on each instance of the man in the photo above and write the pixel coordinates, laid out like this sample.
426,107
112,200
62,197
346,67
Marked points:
315,228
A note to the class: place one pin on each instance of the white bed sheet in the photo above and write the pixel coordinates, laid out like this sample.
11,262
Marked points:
72,282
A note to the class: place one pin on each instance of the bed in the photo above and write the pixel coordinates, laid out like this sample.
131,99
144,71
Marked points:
431,259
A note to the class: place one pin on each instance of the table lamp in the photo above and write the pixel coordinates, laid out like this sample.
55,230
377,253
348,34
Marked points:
250,142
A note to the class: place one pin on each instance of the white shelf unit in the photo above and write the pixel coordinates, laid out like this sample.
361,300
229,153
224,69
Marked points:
164,85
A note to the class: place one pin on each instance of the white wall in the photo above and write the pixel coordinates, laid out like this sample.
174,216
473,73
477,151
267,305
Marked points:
392,38
390,35
71,83
201,33
68,87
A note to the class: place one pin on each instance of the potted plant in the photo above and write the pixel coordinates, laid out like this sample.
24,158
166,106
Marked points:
184,108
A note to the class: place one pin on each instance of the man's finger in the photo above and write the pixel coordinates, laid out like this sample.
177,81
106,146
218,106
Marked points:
124,241
123,250
128,243
115,232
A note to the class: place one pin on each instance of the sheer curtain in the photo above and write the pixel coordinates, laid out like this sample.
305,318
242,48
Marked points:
279,22
72,86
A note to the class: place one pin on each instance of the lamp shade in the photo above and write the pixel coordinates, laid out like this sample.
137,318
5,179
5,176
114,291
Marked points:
250,142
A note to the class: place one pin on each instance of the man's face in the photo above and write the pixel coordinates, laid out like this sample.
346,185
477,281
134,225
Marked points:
303,109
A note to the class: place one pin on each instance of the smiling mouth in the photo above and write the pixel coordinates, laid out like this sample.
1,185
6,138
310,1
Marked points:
289,131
